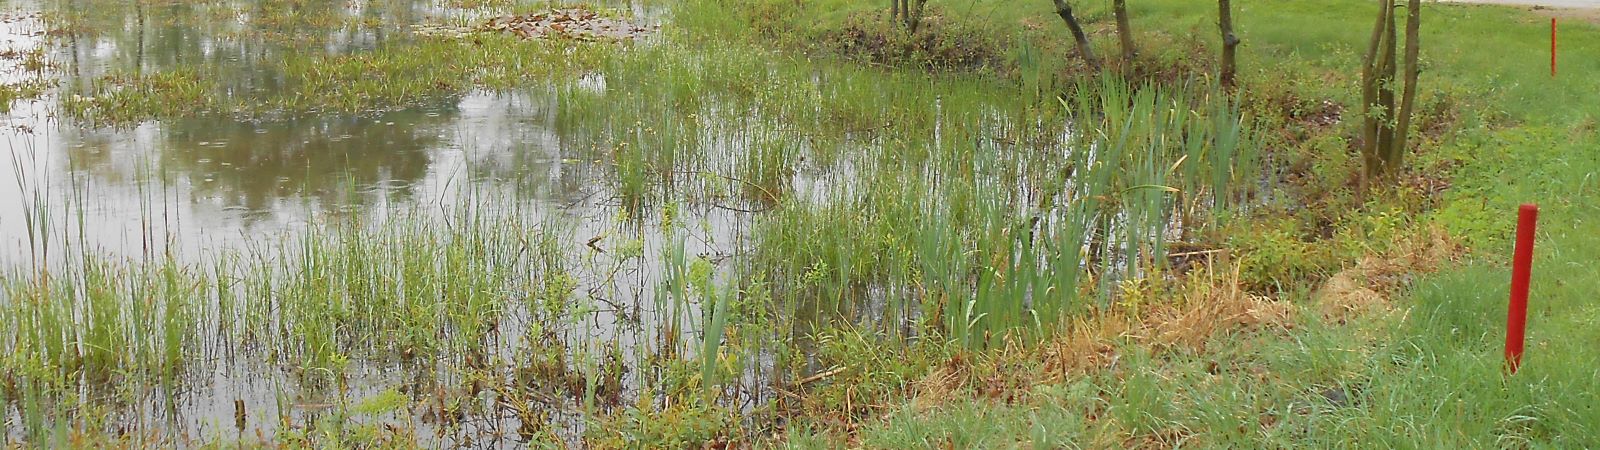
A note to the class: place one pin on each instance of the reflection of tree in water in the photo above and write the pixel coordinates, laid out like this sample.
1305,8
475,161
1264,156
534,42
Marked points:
253,166
514,140
240,43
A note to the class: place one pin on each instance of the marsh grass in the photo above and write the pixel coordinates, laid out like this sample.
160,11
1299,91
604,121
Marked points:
886,205
954,239
1399,379
899,225
869,197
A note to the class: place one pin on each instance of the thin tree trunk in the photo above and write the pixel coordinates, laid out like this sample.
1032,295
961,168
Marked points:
1369,95
914,14
894,11
1409,97
1125,32
1065,11
1386,83
1230,43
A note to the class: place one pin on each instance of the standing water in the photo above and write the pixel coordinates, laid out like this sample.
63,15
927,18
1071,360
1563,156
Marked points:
357,222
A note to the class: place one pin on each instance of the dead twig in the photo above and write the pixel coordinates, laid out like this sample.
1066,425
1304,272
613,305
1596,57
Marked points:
821,376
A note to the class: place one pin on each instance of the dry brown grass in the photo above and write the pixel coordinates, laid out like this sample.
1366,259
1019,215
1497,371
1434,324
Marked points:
1366,287
1189,315
1203,306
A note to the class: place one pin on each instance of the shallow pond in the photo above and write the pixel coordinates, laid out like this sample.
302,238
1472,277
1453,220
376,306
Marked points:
191,188
207,181
238,220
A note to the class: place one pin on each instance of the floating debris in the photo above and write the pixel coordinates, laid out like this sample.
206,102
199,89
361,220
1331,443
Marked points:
571,23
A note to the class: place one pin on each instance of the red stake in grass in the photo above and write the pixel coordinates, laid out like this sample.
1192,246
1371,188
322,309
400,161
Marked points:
1552,47
1521,270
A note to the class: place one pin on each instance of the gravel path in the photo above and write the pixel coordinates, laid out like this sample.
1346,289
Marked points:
1550,3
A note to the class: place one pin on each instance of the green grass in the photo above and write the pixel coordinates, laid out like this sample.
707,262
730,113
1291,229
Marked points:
1429,373
930,248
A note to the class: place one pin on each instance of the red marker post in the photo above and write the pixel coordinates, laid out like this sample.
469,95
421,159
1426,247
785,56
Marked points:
1521,271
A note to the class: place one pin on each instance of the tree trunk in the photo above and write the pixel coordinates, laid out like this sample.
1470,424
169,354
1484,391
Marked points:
1125,32
1230,43
1065,11
1386,84
1409,98
1369,96
907,13
914,14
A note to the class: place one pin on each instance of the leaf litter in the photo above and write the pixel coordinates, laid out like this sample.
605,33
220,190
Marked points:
570,23
578,24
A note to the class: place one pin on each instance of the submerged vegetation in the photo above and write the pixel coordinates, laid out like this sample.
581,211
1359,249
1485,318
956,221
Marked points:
820,224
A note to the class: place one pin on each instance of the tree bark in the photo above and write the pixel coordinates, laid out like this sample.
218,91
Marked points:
1125,32
1386,84
1369,96
1065,11
1230,43
907,13
1409,97
914,14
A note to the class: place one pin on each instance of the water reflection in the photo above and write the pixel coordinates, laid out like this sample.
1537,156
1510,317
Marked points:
240,40
192,186
219,176
249,166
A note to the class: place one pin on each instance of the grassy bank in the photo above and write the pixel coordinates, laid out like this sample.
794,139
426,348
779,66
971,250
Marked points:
1423,366
955,239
